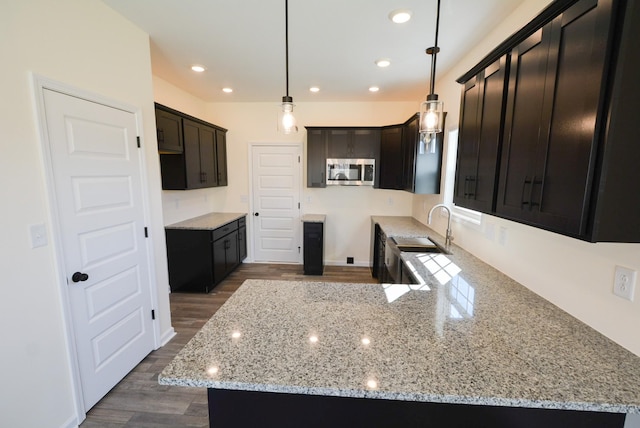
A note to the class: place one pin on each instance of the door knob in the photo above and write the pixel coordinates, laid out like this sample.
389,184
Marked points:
79,276
256,214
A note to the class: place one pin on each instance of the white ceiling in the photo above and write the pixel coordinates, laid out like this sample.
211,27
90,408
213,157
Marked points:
332,44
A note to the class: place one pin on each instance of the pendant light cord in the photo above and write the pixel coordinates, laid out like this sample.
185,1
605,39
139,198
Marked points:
434,53
286,40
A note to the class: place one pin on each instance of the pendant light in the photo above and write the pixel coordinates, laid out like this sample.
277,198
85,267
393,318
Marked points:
286,120
432,110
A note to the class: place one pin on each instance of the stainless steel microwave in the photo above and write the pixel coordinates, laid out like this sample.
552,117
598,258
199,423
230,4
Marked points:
351,172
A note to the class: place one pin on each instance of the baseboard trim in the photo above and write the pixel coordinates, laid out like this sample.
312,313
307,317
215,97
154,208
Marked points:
167,336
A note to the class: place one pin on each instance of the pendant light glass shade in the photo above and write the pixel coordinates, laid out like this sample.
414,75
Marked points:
286,121
431,115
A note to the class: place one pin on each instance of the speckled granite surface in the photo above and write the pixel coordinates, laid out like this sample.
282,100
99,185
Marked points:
313,218
208,221
469,335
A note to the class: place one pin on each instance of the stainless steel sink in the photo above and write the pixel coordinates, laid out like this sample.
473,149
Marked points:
417,245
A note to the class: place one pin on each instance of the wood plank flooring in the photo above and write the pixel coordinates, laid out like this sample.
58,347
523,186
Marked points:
139,401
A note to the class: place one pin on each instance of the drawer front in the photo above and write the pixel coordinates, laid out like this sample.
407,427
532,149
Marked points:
225,230
242,221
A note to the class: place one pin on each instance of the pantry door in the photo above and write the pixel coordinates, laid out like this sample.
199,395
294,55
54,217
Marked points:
97,193
276,171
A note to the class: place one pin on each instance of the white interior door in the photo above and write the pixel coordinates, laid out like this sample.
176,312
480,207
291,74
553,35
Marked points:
96,167
276,203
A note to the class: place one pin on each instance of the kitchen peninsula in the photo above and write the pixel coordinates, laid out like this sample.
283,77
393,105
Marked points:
467,346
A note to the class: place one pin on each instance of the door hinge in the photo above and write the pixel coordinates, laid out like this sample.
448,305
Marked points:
298,250
146,232
153,314
138,141
298,205
298,159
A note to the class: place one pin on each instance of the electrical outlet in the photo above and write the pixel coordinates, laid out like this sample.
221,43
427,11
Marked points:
349,260
624,282
502,236
490,231
38,233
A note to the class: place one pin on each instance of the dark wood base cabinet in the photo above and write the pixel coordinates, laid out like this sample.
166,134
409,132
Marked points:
313,236
266,409
199,259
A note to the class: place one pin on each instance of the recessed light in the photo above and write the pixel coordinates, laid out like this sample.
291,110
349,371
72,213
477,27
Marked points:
198,68
383,62
400,16
227,90
314,89
373,89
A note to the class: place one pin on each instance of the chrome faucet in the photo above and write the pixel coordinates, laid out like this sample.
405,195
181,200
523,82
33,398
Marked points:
449,236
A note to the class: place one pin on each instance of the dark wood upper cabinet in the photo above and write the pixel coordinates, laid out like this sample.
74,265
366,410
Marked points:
339,143
202,160
221,157
569,156
422,159
169,132
391,173
480,137
316,157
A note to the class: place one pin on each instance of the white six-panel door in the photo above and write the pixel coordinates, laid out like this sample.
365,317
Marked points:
276,203
96,167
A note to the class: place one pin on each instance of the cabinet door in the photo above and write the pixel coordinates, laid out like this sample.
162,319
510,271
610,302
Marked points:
340,144
231,251
313,248
189,260
316,157
221,157
566,160
390,165
480,138
365,143
169,132
219,259
242,243
550,132
522,127
195,179
409,149
208,167
468,143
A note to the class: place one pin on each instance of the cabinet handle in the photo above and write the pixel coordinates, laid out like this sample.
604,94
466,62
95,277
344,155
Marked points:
469,181
534,182
524,184
160,135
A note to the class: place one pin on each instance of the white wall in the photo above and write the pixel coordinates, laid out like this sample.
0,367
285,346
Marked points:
575,275
84,44
348,209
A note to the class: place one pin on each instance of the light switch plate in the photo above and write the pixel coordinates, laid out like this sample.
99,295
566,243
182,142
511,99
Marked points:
624,282
38,235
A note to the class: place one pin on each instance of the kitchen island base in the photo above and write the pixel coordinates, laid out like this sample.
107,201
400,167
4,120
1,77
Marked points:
233,408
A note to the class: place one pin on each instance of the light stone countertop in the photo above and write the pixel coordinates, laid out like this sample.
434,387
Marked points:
468,335
209,221
313,218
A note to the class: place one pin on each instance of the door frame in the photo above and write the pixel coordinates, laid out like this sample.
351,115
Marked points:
300,147
39,85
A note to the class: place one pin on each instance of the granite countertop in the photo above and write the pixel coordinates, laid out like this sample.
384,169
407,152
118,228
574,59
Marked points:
468,334
209,221
313,218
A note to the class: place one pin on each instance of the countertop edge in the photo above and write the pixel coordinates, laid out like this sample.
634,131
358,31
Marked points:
208,221
415,397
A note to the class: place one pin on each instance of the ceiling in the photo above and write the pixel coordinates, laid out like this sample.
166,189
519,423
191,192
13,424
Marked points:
333,44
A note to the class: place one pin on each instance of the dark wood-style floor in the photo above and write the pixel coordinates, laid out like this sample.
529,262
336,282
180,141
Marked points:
139,401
